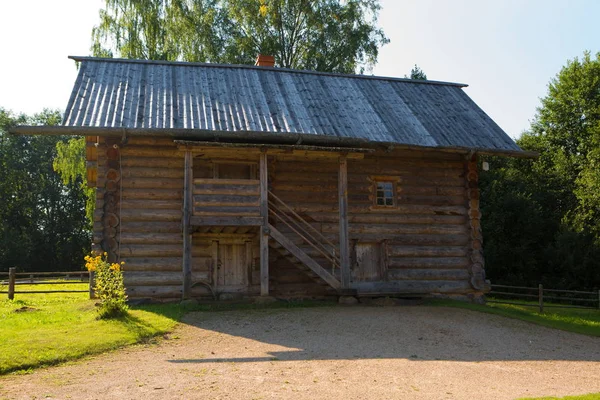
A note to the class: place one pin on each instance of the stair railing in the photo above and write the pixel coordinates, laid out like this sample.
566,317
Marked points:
308,233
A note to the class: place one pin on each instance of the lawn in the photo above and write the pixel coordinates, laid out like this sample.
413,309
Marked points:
584,321
592,396
45,329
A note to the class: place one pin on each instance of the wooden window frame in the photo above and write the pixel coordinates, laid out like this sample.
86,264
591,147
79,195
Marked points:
375,180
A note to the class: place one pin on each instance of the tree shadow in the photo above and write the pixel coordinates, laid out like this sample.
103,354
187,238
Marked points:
415,333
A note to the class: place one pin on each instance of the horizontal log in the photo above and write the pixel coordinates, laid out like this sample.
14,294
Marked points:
151,204
159,250
413,287
153,194
151,151
403,154
224,221
417,240
152,172
152,162
242,190
383,217
129,226
128,215
152,263
398,229
151,237
428,274
227,182
159,291
152,183
426,251
227,211
224,199
424,262
139,278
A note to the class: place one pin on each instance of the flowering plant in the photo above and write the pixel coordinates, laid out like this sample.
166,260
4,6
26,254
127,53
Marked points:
108,286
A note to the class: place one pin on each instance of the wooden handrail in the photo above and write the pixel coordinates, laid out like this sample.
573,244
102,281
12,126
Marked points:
319,234
312,242
299,227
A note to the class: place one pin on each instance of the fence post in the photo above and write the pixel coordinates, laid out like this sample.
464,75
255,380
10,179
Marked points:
92,294
12,274
541,297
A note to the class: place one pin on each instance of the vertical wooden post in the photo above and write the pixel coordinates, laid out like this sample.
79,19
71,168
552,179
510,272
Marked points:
343,208
187,232
92,294
598,299
12,275
541,297
264,228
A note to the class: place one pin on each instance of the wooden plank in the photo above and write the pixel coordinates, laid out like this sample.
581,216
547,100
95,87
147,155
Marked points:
11,283
343,211
264,232
304,258
428,274
240,190
226,221
226,182
152,264
413,287
187,233
214,271
229,210
433,262
225,199
151,237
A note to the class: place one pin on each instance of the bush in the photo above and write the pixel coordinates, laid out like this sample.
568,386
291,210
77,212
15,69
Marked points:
109,286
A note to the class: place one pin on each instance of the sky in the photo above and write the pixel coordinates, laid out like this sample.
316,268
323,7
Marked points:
505,50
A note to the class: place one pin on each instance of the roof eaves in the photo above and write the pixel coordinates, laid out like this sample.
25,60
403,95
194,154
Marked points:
256,137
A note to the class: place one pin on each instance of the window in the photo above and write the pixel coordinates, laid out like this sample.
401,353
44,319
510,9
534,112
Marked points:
383,191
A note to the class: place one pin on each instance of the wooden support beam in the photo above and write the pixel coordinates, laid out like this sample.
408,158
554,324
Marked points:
343,209
187,231
264,229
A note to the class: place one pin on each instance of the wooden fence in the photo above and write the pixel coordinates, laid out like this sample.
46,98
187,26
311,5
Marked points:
14,279
558,298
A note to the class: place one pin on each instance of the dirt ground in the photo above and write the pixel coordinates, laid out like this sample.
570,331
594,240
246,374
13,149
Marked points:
358,352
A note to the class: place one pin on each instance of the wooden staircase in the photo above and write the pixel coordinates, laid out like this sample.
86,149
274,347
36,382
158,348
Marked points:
279,212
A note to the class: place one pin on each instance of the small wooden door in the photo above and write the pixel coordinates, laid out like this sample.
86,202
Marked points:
368,265
233,265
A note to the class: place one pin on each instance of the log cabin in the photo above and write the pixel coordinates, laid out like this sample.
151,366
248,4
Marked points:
234,180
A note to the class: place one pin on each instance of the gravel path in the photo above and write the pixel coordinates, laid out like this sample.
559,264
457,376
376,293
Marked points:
332,353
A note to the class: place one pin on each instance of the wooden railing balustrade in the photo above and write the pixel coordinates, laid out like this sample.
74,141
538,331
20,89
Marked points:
283,213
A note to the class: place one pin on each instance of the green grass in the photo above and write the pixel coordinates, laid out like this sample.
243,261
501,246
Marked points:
59,327
591,396
585,321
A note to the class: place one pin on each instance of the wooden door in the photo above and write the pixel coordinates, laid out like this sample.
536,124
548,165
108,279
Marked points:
233,265
369,264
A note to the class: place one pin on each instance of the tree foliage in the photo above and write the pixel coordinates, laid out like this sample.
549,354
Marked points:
542,217
70,163
42,222
323,35
417,73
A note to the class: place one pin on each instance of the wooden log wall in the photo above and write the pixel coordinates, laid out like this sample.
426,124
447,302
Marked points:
430,242
423,245
150,235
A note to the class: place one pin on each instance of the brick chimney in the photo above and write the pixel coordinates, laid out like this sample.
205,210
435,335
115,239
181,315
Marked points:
265,61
